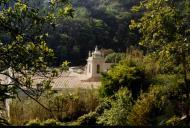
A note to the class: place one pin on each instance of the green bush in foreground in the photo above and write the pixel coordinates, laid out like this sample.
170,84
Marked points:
64,106
125,74
48,122
88,119
120,108
173,121
159,103
34,122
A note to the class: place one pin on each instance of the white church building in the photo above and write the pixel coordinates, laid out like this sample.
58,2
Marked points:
95,65
88,79
76,77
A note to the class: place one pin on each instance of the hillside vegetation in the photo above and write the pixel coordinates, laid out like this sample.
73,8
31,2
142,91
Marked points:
95,22
148,42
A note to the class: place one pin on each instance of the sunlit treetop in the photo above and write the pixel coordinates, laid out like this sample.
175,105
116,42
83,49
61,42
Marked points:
23,49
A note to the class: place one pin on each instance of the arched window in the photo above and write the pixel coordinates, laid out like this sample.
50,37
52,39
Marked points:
98,68
89,68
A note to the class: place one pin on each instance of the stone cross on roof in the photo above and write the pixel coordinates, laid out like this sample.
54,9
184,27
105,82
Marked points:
96,48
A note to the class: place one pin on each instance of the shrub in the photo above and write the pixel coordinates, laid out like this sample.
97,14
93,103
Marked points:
34,122
48,122
114,57
142,110
64,106
120,107
4,122
159,103
173,121
88,119
52,122
105,104
125,74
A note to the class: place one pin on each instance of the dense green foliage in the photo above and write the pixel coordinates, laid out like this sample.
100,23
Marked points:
114,57
165,31
146,86
120,107
63,106
49,122
23,48
161,102
88,119
95,22
128,73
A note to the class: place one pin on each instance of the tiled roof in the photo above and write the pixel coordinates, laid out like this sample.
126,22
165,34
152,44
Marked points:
65,80
71,80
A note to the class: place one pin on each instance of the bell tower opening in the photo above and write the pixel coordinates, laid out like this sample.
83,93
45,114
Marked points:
98,69
89,68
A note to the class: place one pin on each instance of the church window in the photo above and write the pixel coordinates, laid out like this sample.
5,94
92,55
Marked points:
98,68
89,68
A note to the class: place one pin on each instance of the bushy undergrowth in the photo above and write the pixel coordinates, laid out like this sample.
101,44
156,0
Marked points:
120,108
158,104
111,111
114,57
134,92
62,106
128,73
49,122
88,119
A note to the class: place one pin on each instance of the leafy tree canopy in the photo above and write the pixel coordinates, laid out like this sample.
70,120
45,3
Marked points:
165,31
125,74
23,50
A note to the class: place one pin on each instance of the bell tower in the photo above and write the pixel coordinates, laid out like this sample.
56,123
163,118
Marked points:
95,64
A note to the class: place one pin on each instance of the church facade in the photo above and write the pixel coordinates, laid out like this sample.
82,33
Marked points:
95,65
